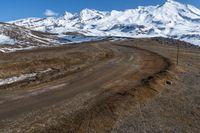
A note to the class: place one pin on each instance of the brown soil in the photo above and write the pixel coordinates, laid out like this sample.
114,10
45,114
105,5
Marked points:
101,87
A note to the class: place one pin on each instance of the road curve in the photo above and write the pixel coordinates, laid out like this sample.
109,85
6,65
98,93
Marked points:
108,90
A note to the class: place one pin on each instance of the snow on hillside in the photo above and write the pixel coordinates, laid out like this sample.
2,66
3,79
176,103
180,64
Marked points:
14,38
172,19
6,40
16,79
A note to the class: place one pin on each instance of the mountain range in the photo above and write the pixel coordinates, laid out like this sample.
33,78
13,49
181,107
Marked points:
170,20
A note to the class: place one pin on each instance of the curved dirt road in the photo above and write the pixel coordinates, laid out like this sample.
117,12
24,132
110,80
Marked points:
91,100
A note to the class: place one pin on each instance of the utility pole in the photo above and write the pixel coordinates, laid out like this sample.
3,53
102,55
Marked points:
177,56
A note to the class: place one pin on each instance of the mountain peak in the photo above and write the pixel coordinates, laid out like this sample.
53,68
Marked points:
86,10
91,14
172,19
68,15
173,5
173,2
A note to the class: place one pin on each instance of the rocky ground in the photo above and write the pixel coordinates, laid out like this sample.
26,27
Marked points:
123,86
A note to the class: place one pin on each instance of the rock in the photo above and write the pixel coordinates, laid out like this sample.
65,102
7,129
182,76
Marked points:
168,82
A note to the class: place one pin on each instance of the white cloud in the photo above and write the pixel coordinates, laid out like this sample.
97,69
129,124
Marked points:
50,13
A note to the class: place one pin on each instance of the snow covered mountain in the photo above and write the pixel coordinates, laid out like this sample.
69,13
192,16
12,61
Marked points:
14,38
172,19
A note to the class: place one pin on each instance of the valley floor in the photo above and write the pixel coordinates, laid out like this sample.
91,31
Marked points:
123,86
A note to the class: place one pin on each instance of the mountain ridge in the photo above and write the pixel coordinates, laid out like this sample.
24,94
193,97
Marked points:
171,19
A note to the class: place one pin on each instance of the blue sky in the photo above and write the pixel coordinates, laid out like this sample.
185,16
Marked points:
16,9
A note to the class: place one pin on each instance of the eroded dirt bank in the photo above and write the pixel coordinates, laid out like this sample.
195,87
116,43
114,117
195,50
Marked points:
94,87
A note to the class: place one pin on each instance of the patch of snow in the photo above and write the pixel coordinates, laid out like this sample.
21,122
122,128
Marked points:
16,79
45,71
69,39
193,41
6,40
10,50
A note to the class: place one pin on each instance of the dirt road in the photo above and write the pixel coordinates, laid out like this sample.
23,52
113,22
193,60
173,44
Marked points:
92,99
